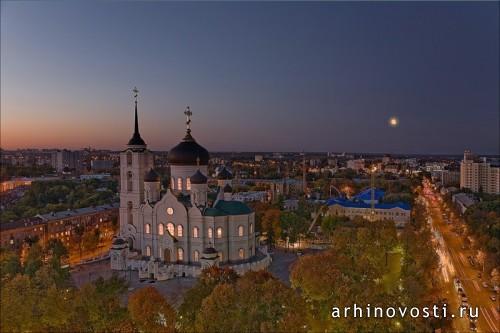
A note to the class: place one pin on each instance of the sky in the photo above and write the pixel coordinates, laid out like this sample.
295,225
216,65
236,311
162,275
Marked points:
282,76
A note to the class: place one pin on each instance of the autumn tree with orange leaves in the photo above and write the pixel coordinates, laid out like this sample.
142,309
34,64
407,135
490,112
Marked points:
150,311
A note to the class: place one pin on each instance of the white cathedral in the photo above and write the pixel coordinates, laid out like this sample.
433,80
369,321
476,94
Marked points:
177,232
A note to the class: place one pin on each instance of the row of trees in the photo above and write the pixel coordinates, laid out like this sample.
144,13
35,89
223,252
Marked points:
483,220
357,270
285,226
57,195
39,296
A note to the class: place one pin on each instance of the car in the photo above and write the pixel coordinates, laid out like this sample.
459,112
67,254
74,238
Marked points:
479,275
460,290
472,326
299,253
464,299
464,305
493,298
485,285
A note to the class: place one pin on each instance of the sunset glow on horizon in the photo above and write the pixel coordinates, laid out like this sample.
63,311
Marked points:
254,79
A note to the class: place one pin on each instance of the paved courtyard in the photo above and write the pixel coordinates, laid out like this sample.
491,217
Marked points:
173,289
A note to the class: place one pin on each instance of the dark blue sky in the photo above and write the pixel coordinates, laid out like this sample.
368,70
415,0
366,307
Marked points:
258,76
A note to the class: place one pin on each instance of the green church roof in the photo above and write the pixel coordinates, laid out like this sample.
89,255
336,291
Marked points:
223,208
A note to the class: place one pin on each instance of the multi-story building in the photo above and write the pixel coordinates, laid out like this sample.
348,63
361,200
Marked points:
57,225
356,164
479,175
367,205
61,159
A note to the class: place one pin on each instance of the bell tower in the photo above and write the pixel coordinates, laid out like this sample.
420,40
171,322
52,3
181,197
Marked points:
135,161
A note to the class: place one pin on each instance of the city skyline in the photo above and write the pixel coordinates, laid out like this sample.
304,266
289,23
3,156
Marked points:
327,77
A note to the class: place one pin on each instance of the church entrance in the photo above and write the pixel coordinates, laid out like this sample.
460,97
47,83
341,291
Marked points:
166,255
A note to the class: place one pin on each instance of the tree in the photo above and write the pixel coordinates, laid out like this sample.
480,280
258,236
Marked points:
98,306
79,231
150,311
33,260
10,265
209,278
270,224
257,302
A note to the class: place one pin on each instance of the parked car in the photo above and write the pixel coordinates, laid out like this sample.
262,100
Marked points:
472,326
485,285
493,298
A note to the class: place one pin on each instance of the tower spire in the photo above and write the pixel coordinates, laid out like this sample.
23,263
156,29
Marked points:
136,93
136,139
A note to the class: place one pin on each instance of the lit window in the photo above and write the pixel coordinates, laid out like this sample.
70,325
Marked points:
210,233
180,254
148,251
147,228
180,230
179,184
251,228
219,232
240,231
241,254
170,210
171,228
161,229
196,256
188,184
196,232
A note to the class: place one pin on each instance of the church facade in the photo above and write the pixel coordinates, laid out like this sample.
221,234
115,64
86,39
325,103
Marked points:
177,231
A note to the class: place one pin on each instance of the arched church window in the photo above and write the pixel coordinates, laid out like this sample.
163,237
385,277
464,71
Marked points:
129,181
180,254
241,254
129,158
148,250
196,232
188,184
240,231
147,228
129,213
196,256
161,229
171,229
251,228
179,184
218,232
210,233
180,231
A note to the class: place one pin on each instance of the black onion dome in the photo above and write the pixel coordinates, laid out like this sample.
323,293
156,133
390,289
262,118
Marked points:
209,250
224,174
188,152
151,176
228,189
198,178
118,241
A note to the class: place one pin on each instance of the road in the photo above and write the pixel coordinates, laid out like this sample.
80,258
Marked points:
455,263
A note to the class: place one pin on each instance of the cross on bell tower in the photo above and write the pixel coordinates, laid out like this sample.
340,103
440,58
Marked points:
188,114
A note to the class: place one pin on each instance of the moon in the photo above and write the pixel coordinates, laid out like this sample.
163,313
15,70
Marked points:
393,122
